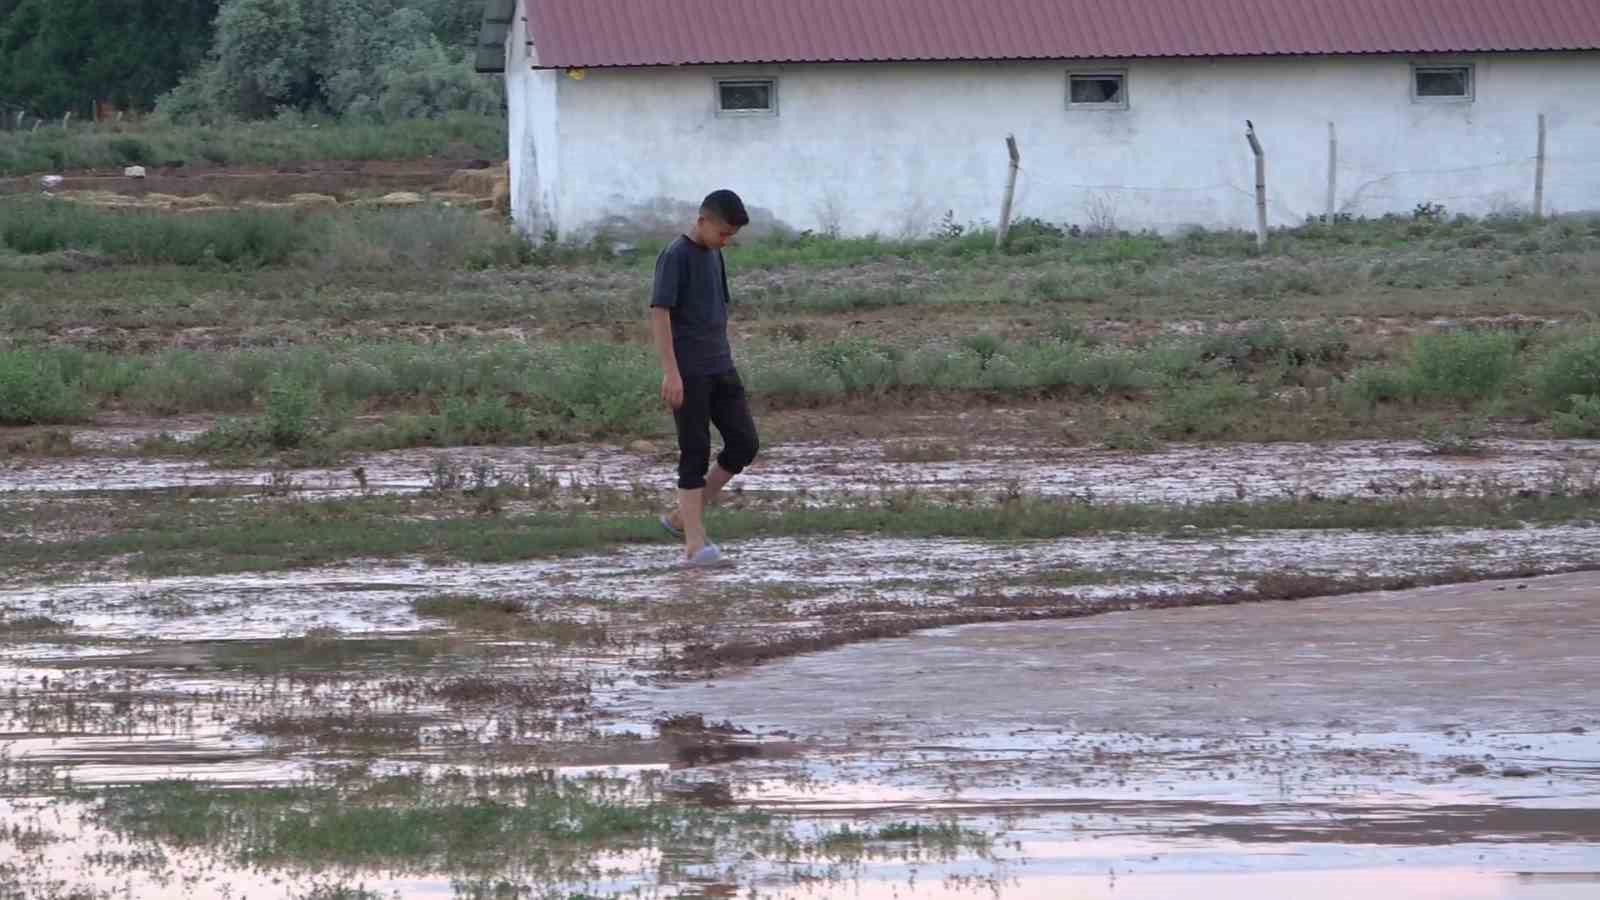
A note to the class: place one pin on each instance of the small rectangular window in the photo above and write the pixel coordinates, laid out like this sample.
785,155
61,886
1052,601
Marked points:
1441,82
757,97
1097,90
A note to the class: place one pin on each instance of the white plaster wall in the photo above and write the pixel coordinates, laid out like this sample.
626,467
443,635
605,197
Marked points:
533,122
889,148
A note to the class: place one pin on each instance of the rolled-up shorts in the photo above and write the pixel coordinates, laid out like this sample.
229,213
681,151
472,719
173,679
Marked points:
713,400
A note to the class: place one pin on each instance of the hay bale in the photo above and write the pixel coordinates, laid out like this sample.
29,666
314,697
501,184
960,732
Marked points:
313,201
455,198
477,182
105,199
198,200
501,197
396,199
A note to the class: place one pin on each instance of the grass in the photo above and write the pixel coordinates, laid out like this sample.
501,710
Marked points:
314,534
1219,385
432,236
29,626
468,827
451,823
326,651
946,837
347,730
53,149
411,277
509,617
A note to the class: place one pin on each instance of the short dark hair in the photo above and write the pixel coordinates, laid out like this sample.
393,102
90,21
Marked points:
727,206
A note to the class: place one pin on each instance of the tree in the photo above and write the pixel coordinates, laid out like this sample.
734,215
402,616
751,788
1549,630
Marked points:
425,82
363,58
59,55
264,56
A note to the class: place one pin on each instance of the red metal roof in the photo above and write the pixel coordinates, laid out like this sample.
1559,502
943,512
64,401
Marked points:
595,33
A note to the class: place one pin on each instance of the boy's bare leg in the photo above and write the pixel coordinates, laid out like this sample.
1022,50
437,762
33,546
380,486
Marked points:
715,482
691,518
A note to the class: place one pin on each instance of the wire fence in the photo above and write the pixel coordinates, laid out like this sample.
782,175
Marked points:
1299,189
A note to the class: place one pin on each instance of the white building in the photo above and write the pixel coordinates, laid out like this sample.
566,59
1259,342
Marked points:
884,116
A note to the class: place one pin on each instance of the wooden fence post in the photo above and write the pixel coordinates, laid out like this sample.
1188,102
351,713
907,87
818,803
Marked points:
66,119
1333,174
1261,184
1538,174
1011,192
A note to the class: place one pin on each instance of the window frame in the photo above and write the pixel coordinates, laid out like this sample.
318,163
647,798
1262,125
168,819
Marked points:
1417,68
1120,72
771,111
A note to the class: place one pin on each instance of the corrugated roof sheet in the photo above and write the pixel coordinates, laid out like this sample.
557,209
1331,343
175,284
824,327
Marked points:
596,33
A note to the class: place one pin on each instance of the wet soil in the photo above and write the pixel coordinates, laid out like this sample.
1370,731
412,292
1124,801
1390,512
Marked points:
1178,473
1438,726
1123,743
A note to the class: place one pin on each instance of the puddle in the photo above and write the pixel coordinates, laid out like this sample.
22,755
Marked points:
374,598
1434,728
1178,474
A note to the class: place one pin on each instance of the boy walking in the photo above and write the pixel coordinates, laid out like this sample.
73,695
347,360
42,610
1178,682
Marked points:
689,323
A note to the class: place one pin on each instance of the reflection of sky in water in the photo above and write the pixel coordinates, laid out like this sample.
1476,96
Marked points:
1115,867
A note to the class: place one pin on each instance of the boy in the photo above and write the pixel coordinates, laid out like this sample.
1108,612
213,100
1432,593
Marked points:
689,323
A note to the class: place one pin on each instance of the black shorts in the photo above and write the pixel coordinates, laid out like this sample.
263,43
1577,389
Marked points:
713,400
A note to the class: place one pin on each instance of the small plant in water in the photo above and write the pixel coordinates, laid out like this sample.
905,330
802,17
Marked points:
446,476
1454,438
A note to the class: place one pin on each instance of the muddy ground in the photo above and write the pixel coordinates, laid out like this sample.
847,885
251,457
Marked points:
1452,729
1117,733
1153,671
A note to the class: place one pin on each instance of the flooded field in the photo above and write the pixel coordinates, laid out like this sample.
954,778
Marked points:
1111,566
831,716
1176,474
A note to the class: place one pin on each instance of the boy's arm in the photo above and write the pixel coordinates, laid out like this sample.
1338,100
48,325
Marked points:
663,298
661,333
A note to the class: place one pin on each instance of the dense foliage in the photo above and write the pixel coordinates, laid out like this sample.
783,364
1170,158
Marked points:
215,60
60,55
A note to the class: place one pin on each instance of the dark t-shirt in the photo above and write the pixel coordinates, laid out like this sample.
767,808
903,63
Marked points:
691,282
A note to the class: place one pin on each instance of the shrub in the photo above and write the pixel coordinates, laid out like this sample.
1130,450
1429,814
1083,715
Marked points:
1109,372
1581,419
1371,385
1205,410
1082,287
1569,370
424,82
486,420
1462,365
291,405
130,150
33,391
603,386
860,364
